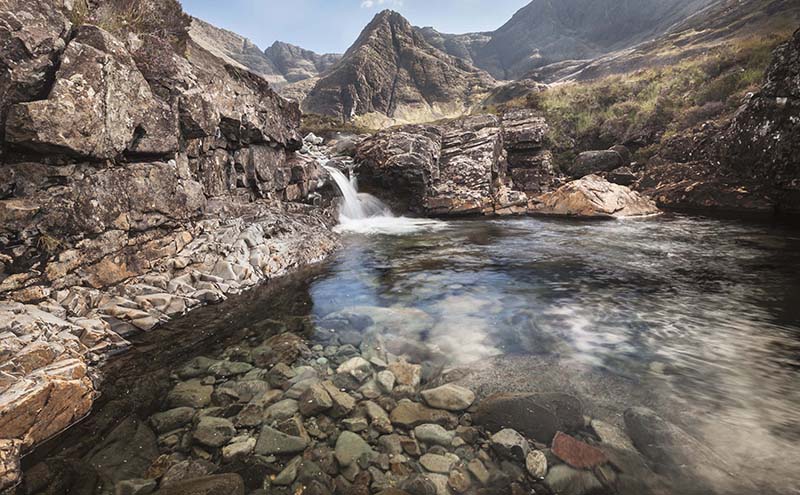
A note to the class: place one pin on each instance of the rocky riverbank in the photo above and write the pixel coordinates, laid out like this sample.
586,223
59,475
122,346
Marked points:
141,177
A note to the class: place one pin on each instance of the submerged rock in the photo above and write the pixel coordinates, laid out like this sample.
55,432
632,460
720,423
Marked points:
673,452
229,484
350,448
536,464
214,432
272,441
565,480
436,463
434,435
537,416
576,453
509,443
450,397
409,414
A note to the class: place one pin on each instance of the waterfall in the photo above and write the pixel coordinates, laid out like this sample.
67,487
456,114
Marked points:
355,205
365,214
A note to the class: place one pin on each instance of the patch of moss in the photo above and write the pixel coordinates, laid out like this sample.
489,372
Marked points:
323,125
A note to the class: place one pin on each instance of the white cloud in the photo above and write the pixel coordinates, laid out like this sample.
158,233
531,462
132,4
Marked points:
368,4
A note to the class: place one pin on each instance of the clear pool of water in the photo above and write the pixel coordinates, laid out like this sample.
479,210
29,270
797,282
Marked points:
698,319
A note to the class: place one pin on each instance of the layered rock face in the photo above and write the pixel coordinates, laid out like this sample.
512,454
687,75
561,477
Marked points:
485,165
530,164
459,167
392,72
140,178
750,164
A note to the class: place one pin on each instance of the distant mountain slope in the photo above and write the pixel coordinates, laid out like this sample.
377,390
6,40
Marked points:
551,31
464,46
721,22
234,49
280,64
393,72
297,64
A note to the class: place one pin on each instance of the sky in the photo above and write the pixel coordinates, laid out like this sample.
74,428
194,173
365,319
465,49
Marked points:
331,26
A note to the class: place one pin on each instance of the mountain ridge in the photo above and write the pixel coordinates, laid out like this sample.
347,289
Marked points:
280,64
391,73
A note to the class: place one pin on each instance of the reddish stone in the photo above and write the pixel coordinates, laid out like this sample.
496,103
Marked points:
577,454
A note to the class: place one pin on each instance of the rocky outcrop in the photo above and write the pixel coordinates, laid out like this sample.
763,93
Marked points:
749,164
460,167
33,35
99,108
142,176
592,196
765,129
530,164
393,75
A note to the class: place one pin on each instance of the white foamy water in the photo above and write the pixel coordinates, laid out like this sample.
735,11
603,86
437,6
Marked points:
362,213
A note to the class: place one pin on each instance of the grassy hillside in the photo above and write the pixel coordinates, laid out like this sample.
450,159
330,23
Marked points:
643,108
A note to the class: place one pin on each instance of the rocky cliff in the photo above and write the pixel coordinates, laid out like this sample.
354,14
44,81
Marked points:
141,175
392,74
750,163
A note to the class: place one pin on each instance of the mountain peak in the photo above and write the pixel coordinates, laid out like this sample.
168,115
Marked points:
392,72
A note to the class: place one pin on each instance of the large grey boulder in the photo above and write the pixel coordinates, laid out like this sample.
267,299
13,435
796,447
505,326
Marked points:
674,453
592,162
99,107
33,33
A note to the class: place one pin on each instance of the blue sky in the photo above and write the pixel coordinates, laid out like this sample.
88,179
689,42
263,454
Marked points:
332,25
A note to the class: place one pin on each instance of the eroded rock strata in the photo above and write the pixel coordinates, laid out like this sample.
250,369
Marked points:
485,165
142,176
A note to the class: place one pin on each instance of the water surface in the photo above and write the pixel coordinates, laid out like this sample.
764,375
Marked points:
698,319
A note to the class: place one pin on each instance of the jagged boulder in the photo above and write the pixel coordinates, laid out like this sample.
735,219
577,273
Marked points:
100,106
592,162
32,35
765,129
404,160
593,197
